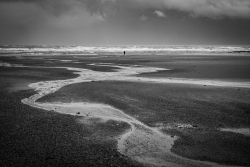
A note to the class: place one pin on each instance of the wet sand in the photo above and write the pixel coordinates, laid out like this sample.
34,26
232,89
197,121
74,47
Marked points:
205,67
137,143
148,152
33,137
160,106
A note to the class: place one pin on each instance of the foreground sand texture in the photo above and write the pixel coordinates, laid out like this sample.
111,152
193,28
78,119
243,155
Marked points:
142,143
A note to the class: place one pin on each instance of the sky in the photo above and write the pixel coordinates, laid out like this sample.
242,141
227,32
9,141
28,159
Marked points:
125,22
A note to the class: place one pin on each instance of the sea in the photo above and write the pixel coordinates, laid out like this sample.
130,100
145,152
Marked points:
14,50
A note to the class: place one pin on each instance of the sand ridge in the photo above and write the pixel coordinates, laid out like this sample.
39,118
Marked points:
142,143
244,131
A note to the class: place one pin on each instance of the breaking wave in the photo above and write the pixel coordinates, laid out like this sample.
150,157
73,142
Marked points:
118,50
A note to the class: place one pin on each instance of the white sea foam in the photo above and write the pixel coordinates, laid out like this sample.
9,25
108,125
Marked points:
118,50
244,131
4,64
66,60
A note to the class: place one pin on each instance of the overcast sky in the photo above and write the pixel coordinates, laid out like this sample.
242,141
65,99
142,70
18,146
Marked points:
125,22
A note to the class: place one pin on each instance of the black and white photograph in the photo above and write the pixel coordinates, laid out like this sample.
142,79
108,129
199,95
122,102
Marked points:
124,83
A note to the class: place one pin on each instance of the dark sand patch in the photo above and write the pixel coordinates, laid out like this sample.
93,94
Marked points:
207,108
182,66
18,78
36,73
34,137
205,67
212,145
16,84
45,61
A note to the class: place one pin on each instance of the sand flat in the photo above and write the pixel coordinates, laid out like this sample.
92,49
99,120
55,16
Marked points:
142,143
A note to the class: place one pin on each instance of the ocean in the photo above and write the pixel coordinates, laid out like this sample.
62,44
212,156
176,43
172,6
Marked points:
6,50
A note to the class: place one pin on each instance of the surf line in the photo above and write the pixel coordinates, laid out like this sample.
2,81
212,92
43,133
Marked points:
142,143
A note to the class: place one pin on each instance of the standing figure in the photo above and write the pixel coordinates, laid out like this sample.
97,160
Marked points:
124,52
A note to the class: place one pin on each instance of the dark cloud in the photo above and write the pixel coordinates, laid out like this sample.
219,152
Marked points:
120,22
54,6
40,22
58,7
195,8
206,8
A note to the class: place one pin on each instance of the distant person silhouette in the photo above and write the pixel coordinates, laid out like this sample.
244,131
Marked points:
124,52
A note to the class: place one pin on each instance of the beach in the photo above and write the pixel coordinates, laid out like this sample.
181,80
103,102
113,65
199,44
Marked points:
125,83
135,110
